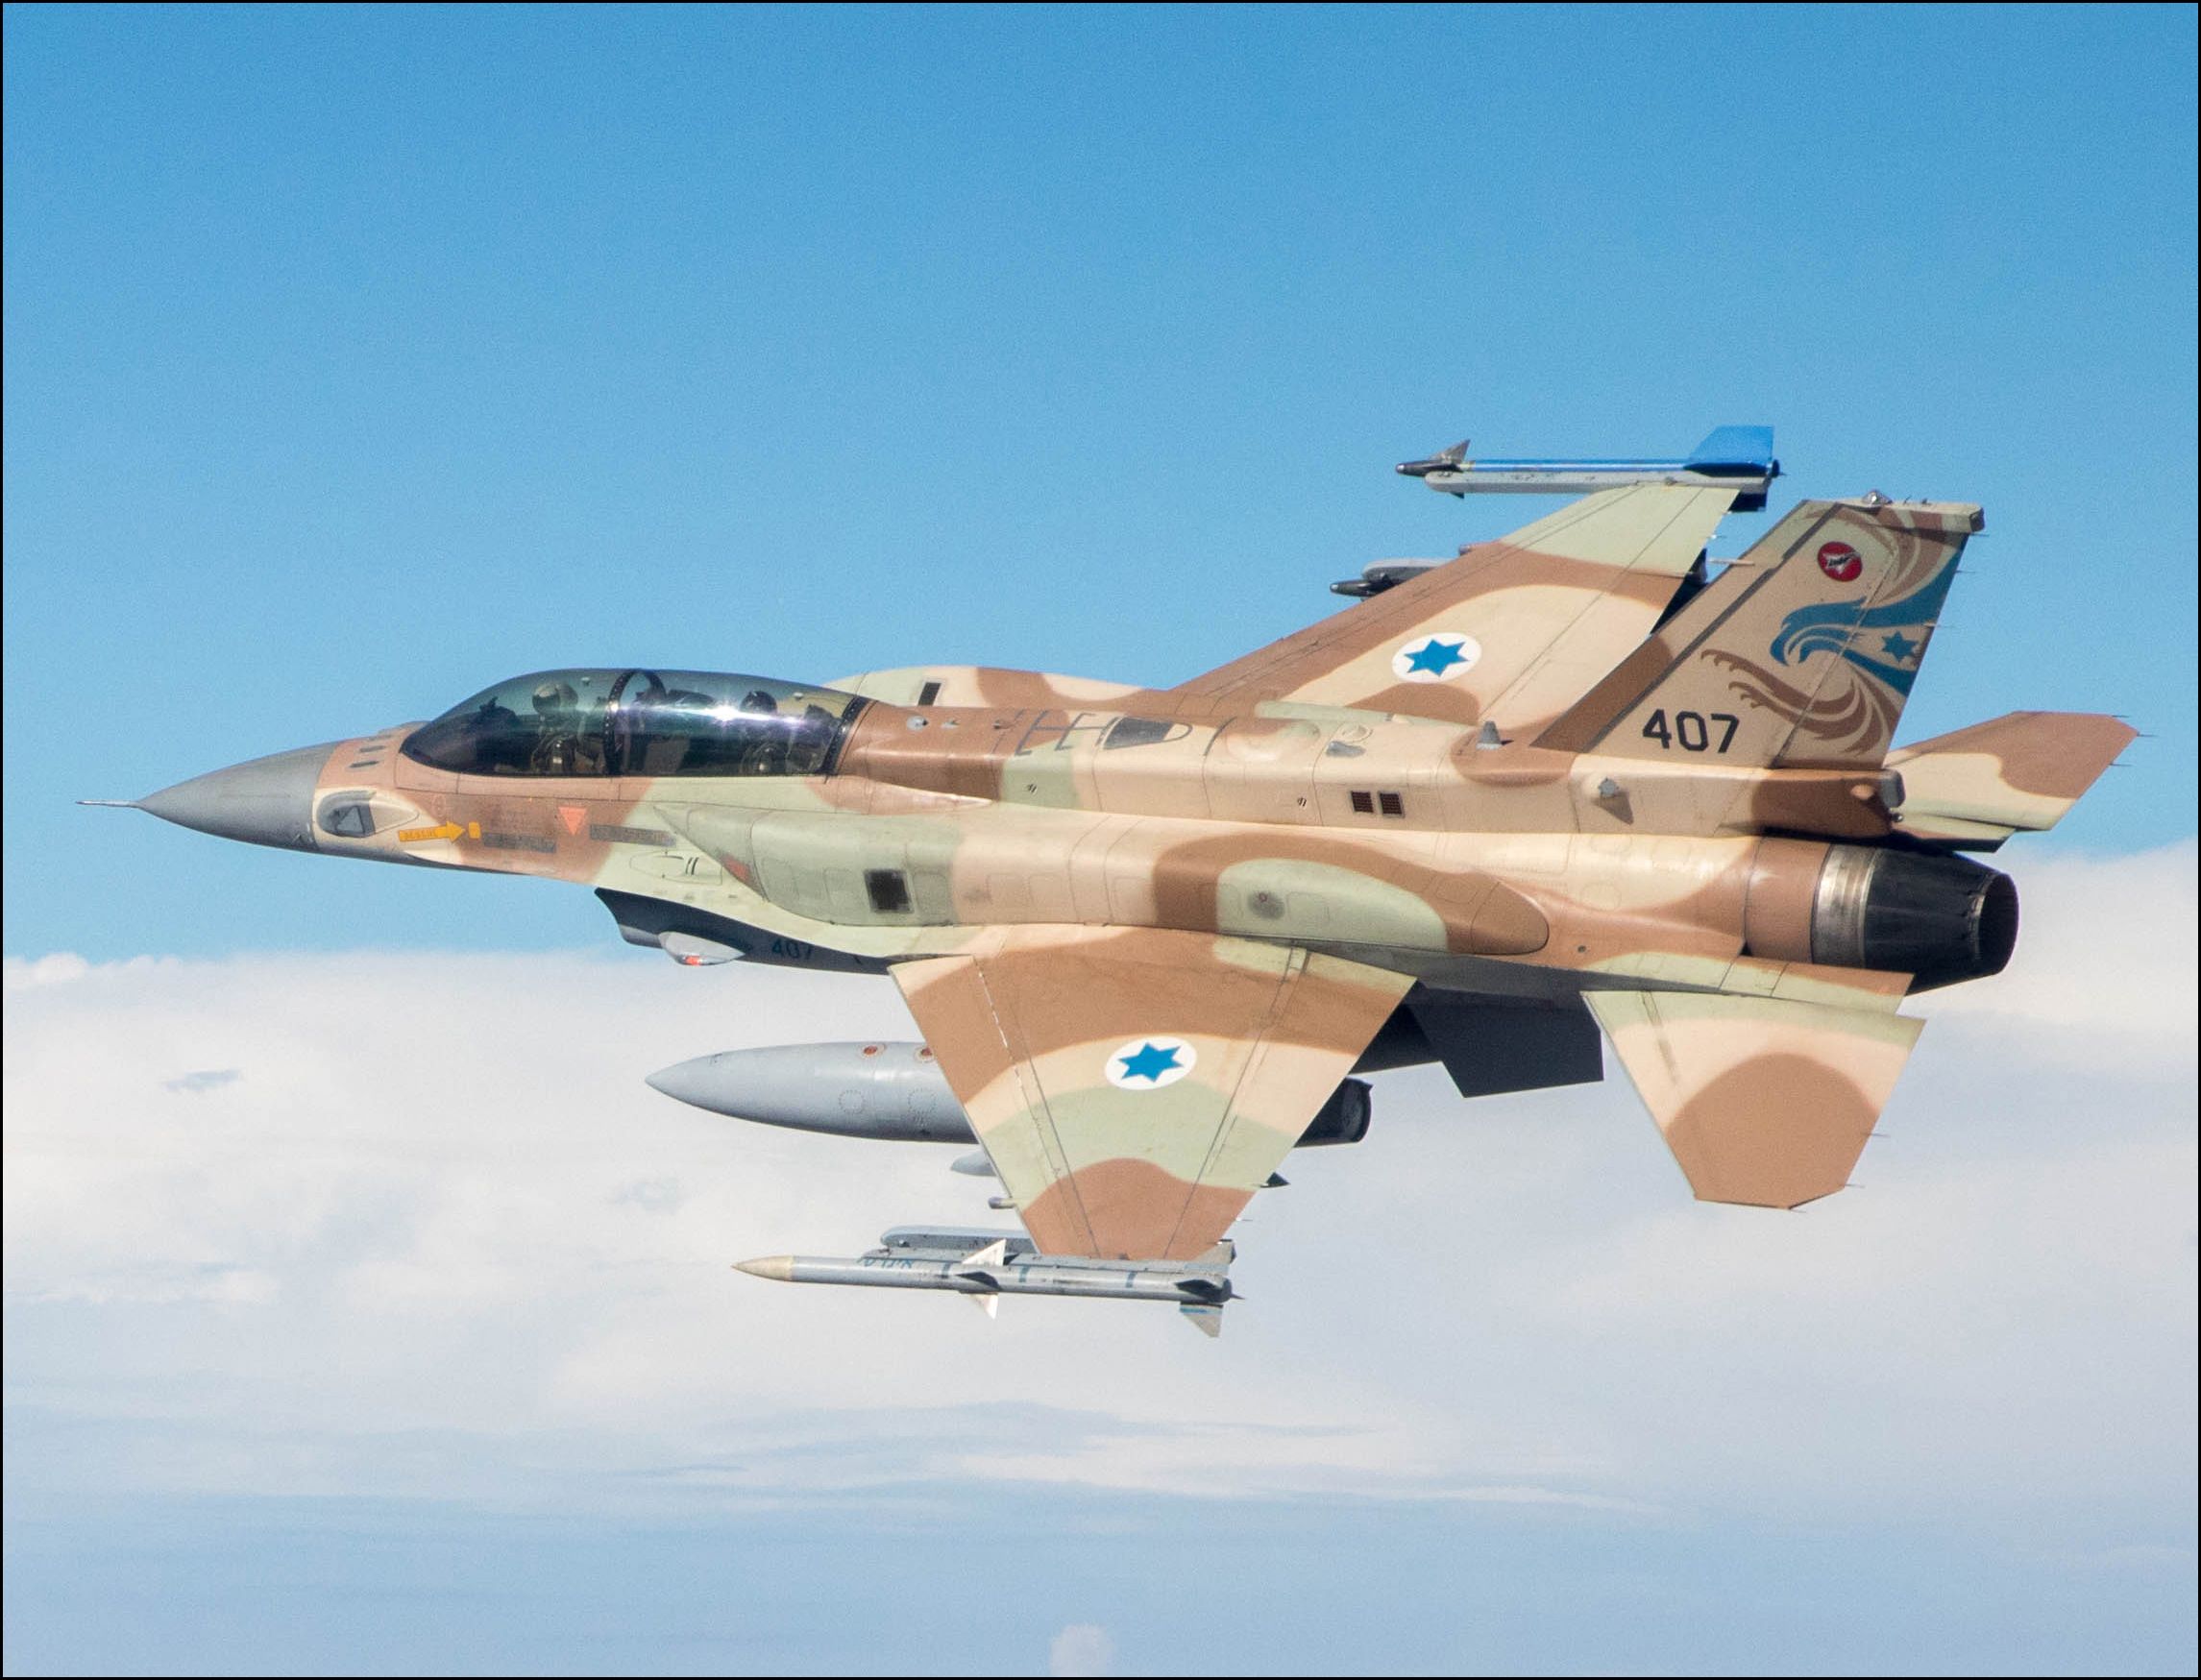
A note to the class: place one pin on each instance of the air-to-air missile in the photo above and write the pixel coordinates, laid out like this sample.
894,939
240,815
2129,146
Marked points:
1734,457
985,1265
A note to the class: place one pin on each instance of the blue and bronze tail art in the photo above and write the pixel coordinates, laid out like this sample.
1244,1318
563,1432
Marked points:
1801,655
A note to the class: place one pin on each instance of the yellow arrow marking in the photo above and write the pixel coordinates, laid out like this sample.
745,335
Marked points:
443,831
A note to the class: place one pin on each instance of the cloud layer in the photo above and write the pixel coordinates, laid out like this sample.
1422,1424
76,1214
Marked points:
410,1223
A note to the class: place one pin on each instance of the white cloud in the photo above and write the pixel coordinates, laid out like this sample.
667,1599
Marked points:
437,1237
1081,1648
206,1079
2105,966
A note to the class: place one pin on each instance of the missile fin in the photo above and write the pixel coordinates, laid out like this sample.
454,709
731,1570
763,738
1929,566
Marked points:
1206,1319
987,1304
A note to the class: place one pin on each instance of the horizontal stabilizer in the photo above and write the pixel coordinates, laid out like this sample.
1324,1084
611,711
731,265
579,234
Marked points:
1763,1102
2017,773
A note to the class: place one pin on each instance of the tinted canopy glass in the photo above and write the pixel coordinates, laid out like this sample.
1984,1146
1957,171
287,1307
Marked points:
639,722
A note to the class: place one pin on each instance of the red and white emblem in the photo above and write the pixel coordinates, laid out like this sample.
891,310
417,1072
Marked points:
1839,562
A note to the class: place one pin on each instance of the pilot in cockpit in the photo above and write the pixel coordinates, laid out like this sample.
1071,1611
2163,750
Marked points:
562,744
765,751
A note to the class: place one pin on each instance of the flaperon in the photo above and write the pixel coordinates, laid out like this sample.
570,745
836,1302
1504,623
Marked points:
1570,780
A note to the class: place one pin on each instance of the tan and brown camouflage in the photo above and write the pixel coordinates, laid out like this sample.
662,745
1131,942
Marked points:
1148,932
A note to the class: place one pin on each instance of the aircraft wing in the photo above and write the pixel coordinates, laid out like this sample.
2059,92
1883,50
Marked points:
1763,1101
1515,631
1134,1087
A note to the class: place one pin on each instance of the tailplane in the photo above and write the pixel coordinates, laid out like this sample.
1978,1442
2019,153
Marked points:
2014,774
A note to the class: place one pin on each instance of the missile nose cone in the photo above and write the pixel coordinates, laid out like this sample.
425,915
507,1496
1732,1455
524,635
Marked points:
266,801
686,1082
779,1268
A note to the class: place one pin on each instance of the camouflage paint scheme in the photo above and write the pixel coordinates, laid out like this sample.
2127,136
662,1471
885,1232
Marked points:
1148,931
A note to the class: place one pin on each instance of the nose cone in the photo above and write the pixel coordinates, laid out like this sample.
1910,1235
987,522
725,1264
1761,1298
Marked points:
738,1084
268,801
690,1082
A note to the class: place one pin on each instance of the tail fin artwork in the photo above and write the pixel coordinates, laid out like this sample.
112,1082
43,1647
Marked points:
1799,656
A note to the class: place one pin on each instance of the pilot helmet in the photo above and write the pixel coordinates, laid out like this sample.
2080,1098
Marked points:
554,697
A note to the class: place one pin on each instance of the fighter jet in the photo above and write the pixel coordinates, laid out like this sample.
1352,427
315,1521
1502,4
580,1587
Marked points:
1566,789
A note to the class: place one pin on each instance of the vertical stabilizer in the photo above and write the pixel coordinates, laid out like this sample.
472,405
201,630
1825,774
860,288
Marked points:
1800,656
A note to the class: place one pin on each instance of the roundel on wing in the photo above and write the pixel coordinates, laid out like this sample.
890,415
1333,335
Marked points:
1435,658
1147,1064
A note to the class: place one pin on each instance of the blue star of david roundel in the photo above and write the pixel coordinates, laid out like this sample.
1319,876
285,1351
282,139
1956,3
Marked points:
1435,658
1147,1064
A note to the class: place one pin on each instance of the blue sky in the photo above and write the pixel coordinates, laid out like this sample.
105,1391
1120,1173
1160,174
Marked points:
355,359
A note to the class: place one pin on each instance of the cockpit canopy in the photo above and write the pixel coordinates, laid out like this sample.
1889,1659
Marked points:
640,723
